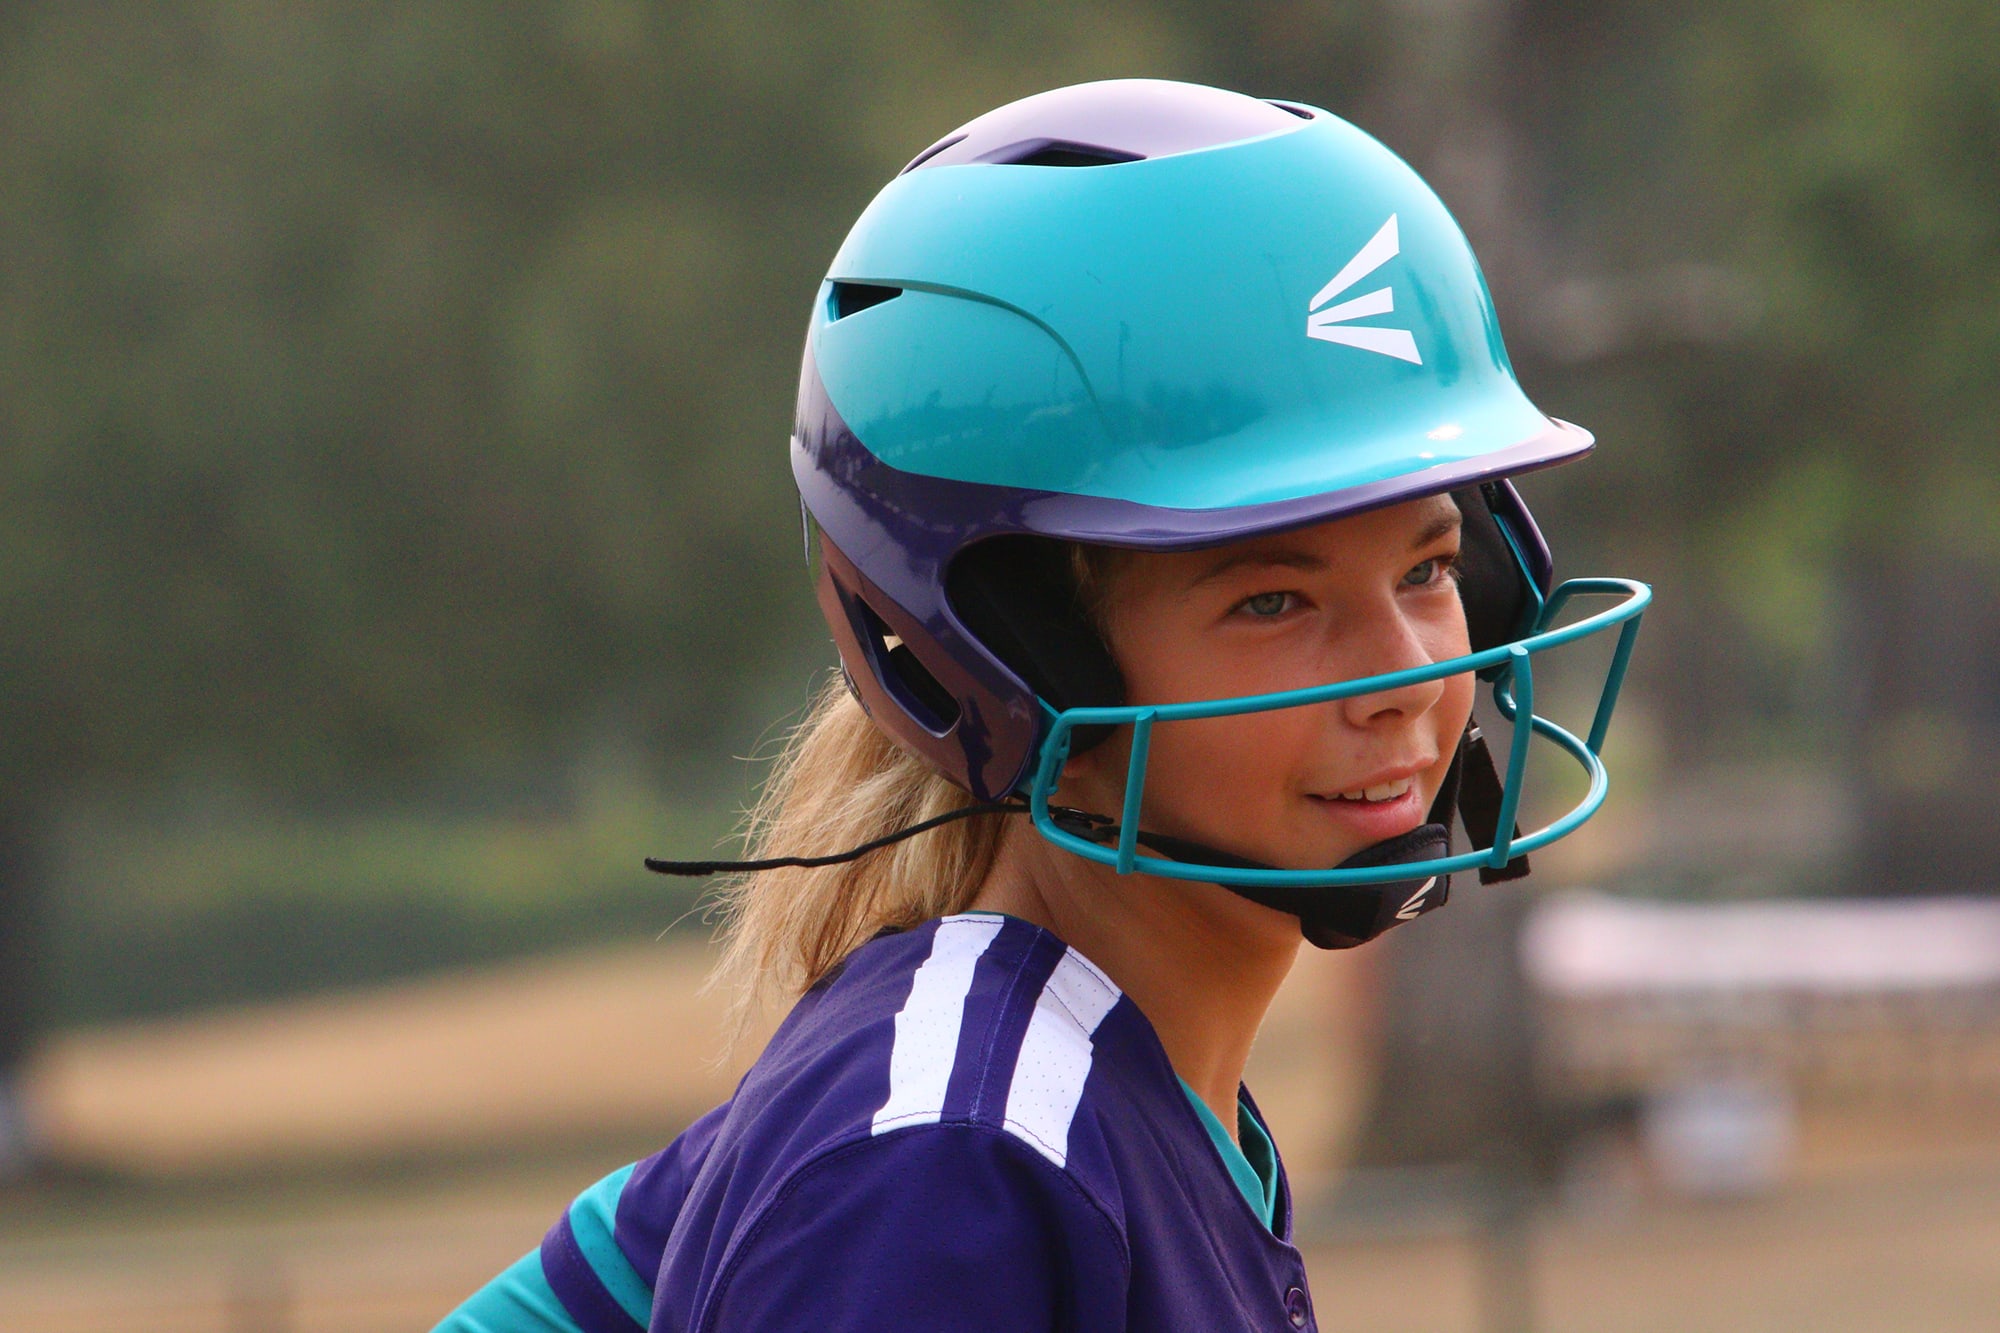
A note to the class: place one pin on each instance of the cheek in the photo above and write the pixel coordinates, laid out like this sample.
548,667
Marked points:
1445,638
1454,706
1201,776
1223,773
1453,713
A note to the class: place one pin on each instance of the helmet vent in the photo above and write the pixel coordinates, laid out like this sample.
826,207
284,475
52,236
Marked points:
1058,153
920,693
1118,120
852,297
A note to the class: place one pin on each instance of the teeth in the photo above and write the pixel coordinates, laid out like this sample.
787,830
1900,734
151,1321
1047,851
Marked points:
1388,791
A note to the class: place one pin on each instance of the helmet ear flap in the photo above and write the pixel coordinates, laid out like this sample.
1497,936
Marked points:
1019,597
1502,595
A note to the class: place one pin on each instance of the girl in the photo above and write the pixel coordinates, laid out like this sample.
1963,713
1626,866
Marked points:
1153,443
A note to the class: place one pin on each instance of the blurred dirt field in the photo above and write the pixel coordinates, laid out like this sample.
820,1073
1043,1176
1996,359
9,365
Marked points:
359,1163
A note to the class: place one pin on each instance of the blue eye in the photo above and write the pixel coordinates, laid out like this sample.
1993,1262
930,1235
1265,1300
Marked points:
1430,571
1266,604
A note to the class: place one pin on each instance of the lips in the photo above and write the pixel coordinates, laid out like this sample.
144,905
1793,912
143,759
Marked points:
1384,804
1364,823
1383,785
1386,791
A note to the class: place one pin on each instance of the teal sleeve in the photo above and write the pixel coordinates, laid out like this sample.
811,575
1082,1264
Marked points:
578,1267
518,1301
593,1222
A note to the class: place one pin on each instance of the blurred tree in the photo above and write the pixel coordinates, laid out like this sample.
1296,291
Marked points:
1801,361
388,389
384,384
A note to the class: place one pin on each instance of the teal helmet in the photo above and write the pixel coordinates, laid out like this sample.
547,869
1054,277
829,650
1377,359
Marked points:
1161,316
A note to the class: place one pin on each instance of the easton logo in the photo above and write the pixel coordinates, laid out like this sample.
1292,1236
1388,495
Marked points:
1331,324
1415,906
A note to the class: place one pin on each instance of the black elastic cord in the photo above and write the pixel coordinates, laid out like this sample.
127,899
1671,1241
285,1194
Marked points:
814,862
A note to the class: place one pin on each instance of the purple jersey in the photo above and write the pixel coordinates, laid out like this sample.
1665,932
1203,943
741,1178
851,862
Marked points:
967,1127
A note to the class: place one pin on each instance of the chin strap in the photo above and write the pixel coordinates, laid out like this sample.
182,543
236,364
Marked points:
1330,917
1478,794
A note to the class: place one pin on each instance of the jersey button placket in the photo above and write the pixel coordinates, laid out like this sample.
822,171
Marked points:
1298,1307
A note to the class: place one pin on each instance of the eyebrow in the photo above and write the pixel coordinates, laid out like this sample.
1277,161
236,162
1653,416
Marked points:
1278,559
1438,527
1293,558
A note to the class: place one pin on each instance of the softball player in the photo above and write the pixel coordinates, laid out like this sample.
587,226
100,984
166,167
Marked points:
1153,443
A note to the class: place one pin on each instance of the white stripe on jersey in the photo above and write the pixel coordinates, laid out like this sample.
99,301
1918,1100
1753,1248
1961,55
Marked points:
927,1025
1055,1055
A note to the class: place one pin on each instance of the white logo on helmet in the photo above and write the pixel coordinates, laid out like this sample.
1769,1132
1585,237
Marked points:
1331,324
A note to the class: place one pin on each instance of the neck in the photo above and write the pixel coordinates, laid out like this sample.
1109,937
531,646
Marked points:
1200,962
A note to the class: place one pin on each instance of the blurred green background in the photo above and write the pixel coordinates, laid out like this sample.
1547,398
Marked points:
398,536
398,540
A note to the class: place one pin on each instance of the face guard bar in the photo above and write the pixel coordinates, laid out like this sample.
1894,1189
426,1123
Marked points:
1509,668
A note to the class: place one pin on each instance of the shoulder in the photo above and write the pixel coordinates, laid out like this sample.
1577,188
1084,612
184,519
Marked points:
897,1230
944,1095
930,1189
975,1020
599,1259
980,1028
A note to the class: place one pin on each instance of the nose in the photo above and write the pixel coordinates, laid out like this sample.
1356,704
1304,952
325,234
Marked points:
1392,643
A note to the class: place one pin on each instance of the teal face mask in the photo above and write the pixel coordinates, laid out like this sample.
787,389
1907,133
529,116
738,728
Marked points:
1509,669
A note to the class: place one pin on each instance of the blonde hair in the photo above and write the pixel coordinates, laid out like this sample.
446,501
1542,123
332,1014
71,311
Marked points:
839,781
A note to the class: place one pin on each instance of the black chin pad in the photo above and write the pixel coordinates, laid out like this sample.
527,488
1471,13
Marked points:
1018,596
1499,605
1343,919
1330,917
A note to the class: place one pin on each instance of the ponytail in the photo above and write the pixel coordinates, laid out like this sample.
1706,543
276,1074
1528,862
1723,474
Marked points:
838,782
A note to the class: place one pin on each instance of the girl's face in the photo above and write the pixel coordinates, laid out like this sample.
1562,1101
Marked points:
1294,787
